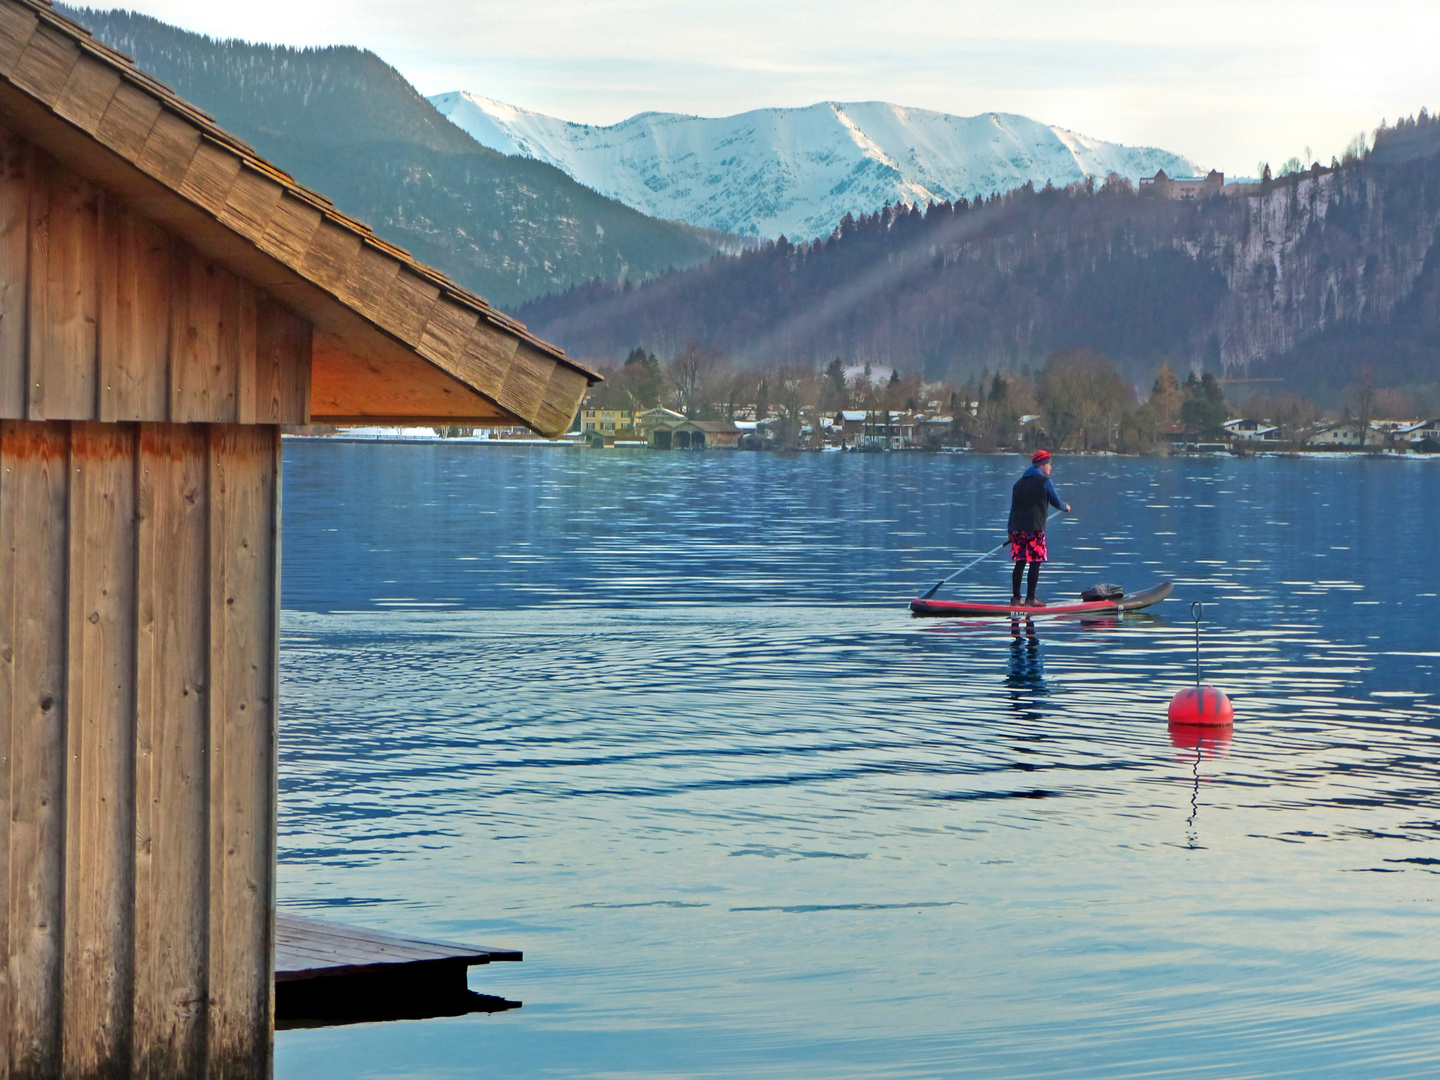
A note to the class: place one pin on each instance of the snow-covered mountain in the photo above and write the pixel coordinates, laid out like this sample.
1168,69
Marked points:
799,171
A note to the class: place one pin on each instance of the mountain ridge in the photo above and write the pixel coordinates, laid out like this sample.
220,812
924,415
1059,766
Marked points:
347,124
797,171
1310,278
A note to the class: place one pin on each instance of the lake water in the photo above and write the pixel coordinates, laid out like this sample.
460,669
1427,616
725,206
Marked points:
663,722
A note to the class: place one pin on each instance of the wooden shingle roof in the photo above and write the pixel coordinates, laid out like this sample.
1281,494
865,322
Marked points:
394,339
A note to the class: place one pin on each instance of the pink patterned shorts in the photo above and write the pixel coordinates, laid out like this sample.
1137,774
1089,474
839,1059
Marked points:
1027,547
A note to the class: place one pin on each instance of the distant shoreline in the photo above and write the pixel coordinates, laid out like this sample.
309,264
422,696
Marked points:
396,439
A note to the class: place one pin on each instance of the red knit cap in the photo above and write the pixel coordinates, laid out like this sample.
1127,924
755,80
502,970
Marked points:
1039,457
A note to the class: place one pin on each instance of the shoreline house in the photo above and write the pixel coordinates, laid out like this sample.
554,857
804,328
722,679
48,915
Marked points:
169,300
1378,434
934,430
889,430
1393,432
608,423
1345,433
1421,432
1250,430
1178,438
605,427
650,419
848,425
1173,433
877,429
884,430
696,435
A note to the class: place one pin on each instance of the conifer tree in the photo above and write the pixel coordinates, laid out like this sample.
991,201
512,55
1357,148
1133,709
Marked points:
1204,410
835,394
642,380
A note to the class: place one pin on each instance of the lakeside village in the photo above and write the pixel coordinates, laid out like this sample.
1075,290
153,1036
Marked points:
1076,402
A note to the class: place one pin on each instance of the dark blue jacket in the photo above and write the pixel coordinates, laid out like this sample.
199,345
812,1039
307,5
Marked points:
1028,502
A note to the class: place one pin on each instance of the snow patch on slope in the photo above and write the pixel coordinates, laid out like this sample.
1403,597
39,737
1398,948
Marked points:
799,171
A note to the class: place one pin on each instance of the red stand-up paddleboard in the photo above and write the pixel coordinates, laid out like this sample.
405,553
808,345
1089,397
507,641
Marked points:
1133,602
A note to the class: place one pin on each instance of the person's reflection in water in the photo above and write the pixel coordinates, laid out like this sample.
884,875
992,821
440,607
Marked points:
1027,662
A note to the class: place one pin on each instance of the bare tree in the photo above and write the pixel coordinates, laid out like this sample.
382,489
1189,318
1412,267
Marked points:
689,373
1365,403
1083,398
795,389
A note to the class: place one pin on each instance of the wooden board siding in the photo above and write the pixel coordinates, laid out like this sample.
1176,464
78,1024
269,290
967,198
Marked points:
105,316
135,285
391,382
62,281
282,373
34,584
99,901
243,695
138,643
14,260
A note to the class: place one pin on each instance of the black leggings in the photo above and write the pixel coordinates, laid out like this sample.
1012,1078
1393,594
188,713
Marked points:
1034,577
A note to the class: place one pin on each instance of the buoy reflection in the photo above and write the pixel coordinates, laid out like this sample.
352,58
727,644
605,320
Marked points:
1210,740
1206,741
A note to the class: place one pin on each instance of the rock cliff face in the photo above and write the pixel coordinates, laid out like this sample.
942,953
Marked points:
1340,249
1308,278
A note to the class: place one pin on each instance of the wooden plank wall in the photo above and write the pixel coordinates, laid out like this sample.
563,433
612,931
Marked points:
138,645
105,316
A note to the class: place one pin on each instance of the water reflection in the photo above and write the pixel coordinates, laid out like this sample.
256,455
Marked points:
1206,741
676,736
1027,663
371,1000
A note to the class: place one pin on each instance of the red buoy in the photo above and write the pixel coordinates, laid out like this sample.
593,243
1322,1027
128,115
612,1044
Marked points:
1201,706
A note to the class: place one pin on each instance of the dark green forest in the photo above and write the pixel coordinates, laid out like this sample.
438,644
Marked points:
345,123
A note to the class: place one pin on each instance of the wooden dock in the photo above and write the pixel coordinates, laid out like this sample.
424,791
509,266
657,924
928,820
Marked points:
331,973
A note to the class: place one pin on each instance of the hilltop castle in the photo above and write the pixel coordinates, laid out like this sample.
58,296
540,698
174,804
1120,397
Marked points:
1192,187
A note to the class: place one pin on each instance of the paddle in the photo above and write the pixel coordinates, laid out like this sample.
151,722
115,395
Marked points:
967,566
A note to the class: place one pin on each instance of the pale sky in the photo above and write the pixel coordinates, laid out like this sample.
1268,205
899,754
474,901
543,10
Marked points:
1225,82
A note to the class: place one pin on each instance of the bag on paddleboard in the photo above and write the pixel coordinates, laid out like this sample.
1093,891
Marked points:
1102,591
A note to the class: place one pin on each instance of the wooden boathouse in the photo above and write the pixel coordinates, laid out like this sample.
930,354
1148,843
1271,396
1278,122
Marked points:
167,300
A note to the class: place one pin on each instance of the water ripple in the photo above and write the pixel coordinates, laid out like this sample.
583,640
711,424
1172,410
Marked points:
663,722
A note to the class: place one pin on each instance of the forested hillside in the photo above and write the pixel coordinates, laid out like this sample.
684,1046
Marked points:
1324,272
345,123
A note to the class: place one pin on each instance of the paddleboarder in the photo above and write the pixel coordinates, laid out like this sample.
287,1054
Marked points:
1030,501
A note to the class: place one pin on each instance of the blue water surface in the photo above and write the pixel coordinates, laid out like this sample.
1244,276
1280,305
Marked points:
664,722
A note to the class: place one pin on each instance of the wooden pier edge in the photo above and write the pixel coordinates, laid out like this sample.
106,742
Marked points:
331,973
307,948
